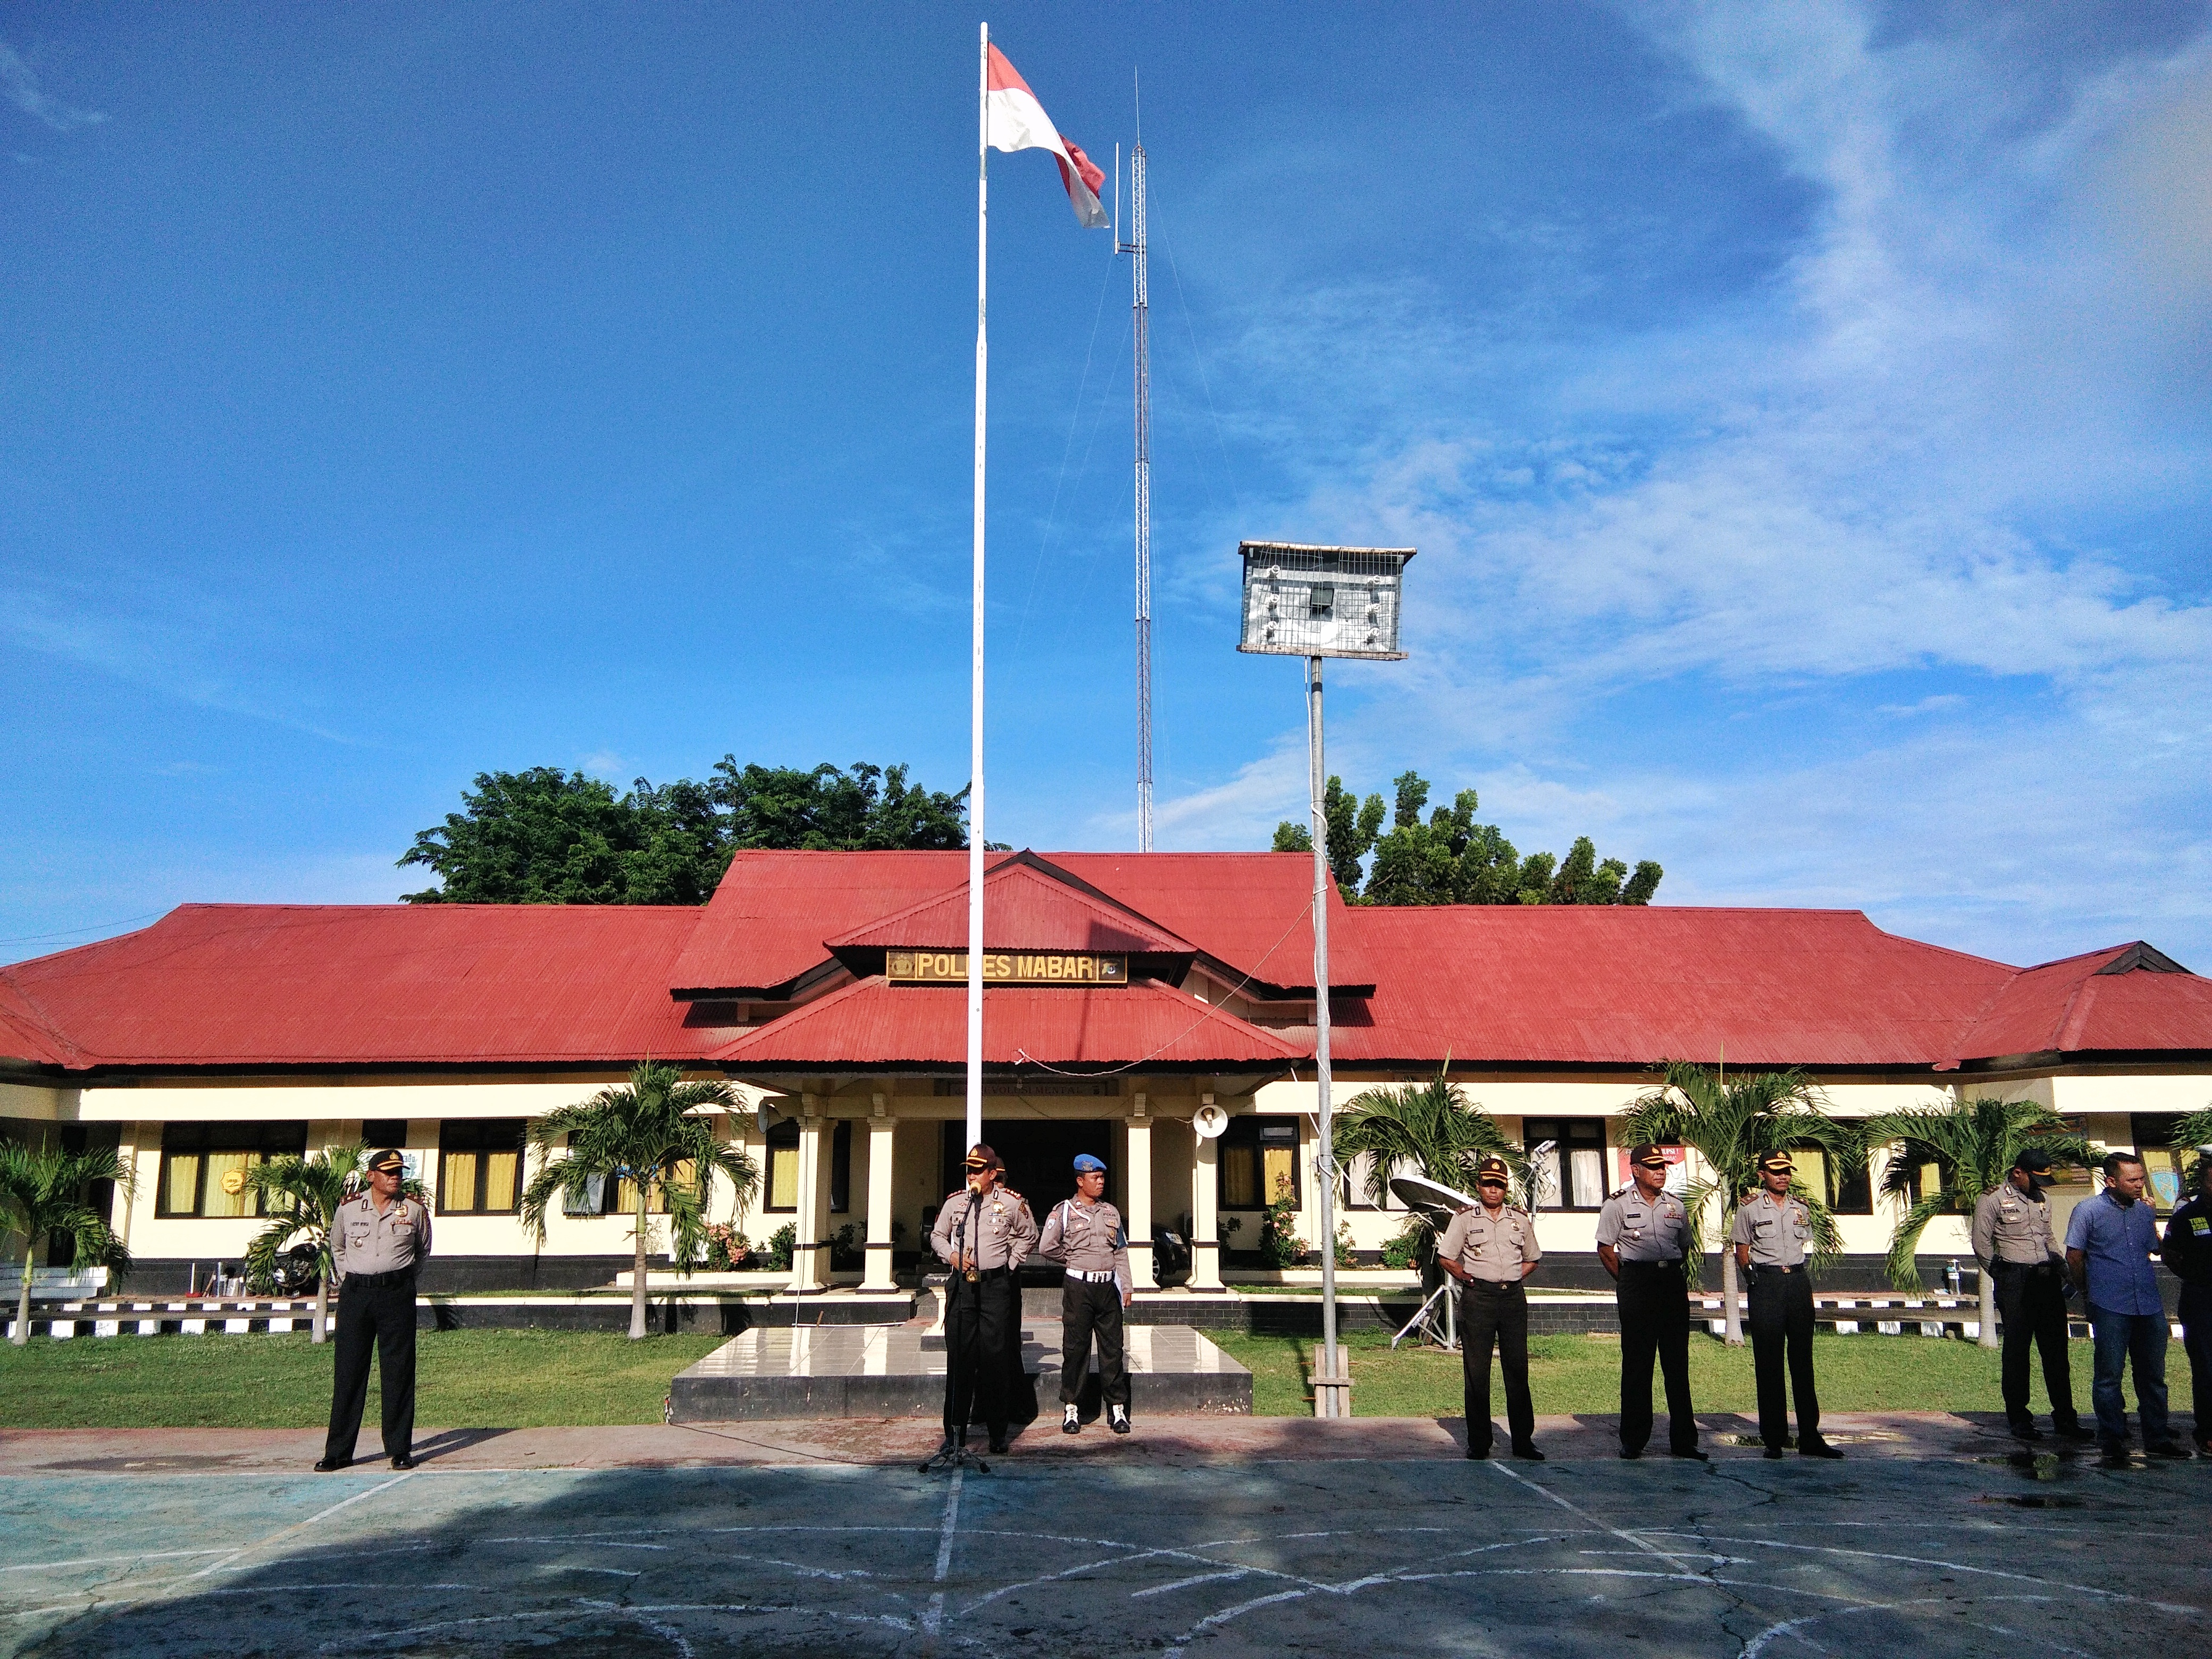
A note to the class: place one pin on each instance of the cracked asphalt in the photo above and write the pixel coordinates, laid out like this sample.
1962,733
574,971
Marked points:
1945,1555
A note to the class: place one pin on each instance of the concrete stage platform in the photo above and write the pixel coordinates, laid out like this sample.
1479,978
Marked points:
898,1371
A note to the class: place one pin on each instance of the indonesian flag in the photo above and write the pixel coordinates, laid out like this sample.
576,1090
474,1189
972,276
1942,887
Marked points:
1013,119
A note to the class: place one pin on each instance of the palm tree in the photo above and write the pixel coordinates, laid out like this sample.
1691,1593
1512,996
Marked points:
1431,1126
302,1195
2194,1130
42,1192
1733,1126
651,1135
1973,1143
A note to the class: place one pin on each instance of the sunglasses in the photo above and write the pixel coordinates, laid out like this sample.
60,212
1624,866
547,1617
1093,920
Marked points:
1489,1181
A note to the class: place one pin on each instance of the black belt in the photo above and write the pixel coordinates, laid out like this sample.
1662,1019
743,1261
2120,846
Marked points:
1475,1283
1674,1261
379,1281
1771,1268
962,1276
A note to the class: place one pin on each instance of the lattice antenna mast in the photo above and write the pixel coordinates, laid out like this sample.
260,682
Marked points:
1140,331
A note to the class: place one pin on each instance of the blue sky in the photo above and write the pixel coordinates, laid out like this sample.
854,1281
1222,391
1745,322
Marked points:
1804,413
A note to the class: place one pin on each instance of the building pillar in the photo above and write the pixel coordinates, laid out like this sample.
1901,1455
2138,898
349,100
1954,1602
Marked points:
810,1258
883,1131
1205,1221
1137,1188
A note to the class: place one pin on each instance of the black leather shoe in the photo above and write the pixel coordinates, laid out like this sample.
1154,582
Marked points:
998,1444
1817,1449
2168,1448
1771,1451
2075,1433
1477,1453
1631,1455
332,1465
1694,1453
1529,1454
404,1460
2026,1431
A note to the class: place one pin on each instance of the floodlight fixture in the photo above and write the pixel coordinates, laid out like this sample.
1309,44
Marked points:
1305,601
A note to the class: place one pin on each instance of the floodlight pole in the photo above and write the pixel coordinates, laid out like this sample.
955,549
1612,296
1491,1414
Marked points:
1328,1392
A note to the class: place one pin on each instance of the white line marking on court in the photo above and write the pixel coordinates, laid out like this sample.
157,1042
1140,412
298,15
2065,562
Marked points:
1185,1583
1956,1567
1680,1563
933,1615
108,1560
297,1526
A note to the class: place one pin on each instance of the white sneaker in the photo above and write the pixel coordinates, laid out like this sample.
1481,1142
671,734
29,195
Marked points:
1071,1421
1118,1417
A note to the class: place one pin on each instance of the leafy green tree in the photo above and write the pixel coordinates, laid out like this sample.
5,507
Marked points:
42,1192
1450,858
300,1196
652,1134
547,836
1731,1126
1972,1143
1352,826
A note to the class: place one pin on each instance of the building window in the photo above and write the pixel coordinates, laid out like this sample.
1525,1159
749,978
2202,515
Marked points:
841,1167
479,1165
1258,1162
204,1166
1844,1194
1572,1175
782,1167
379,1132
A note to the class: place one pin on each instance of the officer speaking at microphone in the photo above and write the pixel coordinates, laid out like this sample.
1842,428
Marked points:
2016,1245
1490,1247
1644,1241
982,1234
378,1240
1773,1233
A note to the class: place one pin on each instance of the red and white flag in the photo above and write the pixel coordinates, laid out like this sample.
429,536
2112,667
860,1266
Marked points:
1013,119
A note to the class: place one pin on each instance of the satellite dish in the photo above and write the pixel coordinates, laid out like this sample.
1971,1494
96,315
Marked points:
1209,1120
1431,1198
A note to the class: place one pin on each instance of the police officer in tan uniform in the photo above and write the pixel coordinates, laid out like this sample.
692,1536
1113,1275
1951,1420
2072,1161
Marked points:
983,1233
2016,1245
1490,1249
1084,1235
1644,1241
1773,1231
378,1240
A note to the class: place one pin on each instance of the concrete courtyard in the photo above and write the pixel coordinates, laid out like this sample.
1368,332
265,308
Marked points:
1250,1537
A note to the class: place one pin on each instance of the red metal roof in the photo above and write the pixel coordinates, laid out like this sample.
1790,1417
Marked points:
1023,910
871,1023
1626,984
373,985
1247,910
2103,1002
391,985
770,918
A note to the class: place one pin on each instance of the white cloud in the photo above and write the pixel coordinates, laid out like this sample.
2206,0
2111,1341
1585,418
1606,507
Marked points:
20,88
1903,461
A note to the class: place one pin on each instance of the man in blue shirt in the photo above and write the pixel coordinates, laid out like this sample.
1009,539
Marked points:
2110,1241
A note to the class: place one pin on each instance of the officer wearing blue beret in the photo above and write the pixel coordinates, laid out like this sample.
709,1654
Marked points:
1086,1236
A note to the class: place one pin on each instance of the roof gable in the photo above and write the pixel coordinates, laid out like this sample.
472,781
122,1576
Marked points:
1025,908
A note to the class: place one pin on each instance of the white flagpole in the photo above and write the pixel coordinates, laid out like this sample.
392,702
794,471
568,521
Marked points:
976,667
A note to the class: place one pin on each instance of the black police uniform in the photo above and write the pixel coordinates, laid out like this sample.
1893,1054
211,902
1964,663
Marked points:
2188,1251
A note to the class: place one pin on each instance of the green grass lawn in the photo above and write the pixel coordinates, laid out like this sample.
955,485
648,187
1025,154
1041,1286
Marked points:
528,1379
1570,1374
463,1379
